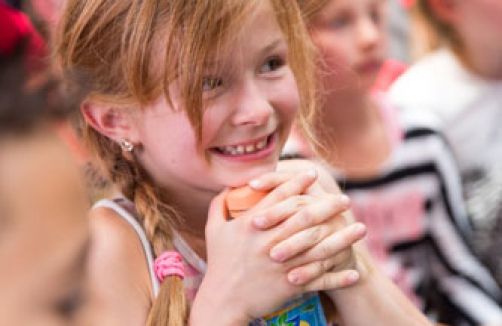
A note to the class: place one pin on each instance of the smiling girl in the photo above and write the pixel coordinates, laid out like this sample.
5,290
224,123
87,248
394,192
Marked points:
188,98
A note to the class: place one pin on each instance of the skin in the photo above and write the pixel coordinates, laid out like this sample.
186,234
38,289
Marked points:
478,24
257,99
352,40
297,228
45,234
49,11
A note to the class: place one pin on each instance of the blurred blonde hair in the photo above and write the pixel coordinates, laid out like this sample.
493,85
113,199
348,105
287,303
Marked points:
116,44
311,8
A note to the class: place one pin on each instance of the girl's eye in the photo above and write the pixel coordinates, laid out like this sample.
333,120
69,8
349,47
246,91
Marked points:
340,21
210,83
272,65
375,15
69,306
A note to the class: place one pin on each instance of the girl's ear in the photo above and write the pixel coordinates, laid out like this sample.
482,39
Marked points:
109,121
445,10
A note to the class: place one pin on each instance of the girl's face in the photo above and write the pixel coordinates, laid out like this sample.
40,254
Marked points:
479,23
351,37
43,234
251,104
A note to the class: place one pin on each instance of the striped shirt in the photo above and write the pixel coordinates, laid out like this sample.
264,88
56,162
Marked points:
417,224
467,109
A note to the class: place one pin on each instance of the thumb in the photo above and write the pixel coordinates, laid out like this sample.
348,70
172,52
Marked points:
218,211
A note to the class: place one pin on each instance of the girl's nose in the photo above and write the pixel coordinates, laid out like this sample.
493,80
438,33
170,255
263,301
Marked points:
368,33
252,106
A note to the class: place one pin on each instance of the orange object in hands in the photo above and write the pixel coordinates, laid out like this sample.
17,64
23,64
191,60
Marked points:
241,199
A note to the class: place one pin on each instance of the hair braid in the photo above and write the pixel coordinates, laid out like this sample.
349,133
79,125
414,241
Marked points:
170,306
157,217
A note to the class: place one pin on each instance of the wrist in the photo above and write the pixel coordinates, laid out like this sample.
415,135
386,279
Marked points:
210,305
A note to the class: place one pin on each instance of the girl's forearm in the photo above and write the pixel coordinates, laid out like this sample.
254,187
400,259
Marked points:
376,299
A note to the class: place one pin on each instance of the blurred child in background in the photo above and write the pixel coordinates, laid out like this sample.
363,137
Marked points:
44,234
460,82
400,175
16,28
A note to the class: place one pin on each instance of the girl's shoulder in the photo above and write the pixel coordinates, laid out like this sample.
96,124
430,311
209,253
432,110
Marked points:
118,236
118,268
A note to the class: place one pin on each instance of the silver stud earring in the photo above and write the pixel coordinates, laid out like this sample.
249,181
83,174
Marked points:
126,145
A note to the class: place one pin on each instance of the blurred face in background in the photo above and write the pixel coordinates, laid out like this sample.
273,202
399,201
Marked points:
48,10
43,233
351,36
479,26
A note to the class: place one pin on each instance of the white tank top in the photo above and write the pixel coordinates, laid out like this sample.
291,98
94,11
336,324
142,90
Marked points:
125,208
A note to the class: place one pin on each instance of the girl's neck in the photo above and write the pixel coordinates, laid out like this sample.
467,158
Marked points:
345,115
193,207
354,136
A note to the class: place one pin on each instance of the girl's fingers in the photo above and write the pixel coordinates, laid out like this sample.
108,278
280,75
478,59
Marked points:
309,226
271,180
333,281
299,242
337,244
334,245
324,210
292,186
218,212
280,212
310,272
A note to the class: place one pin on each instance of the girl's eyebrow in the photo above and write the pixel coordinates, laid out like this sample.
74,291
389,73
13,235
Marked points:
272,46
269,48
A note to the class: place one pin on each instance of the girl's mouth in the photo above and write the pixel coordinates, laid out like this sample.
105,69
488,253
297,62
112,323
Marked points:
251,150
370,66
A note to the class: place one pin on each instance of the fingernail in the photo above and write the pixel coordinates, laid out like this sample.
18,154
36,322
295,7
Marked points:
260,222
344,199
312,173
294,278
353,276
278,255
256,183
359,228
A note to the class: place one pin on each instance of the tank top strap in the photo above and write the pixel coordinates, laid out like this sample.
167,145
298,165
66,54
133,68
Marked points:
119,205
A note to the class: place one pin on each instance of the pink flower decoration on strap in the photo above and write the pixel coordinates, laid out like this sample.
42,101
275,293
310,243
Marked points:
167,264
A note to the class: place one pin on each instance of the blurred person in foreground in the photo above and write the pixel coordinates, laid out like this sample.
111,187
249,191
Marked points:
33,27
459,80
44,234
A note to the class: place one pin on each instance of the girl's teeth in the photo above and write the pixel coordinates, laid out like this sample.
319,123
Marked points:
241,149
262,144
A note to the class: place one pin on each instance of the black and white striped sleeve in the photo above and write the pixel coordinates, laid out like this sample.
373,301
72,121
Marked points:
465,282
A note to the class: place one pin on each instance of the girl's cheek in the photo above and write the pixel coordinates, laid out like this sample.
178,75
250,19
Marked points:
291,95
